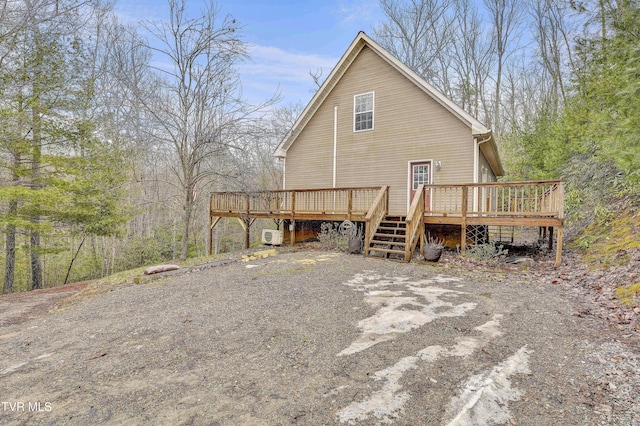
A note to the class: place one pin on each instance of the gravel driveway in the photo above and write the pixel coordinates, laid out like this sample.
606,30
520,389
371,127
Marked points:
318,338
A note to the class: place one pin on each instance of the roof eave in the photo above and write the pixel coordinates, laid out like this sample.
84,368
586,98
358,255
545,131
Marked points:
489,148
323,91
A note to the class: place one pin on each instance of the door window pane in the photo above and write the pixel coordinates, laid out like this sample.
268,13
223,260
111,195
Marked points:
420,175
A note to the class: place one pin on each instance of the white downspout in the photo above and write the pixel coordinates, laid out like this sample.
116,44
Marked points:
335,145
284,173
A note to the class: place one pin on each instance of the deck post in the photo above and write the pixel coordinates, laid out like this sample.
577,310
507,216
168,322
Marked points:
559,247
292,225
463,224
292,232
293,204
247,236
550,238
246,225
367,225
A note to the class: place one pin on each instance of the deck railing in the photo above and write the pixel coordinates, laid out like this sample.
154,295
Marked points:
375,215
328,201
415,225
513,199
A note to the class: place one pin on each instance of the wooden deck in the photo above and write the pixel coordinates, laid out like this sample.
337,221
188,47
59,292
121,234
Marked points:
307,204
533,203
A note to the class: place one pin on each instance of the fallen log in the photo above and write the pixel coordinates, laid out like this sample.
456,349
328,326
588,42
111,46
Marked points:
160,268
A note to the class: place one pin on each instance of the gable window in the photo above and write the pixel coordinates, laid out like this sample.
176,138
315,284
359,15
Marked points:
363,112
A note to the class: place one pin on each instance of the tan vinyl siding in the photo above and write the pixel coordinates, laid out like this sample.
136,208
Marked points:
408,125
310,159
484,163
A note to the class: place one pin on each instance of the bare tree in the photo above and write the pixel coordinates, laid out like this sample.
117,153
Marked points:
554,35
198,110
269,132
419,33
506,18
471,59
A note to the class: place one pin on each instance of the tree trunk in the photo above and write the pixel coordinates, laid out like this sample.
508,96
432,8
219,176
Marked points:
36,184
36,267
12,212
10,260
186,220
10,243
496,112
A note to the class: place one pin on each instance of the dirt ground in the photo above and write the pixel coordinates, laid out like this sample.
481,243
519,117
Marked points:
319,338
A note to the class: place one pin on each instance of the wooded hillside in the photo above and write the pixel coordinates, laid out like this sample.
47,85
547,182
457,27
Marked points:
106,159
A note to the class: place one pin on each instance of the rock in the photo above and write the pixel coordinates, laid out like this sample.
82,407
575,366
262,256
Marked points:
521,260
259,255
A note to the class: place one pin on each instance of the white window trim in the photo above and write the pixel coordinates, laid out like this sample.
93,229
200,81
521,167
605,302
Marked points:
373,113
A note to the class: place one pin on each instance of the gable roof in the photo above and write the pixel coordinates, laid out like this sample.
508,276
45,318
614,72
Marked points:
478,130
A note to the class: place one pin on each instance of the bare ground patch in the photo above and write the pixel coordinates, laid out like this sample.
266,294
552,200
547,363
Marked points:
319,338
20,307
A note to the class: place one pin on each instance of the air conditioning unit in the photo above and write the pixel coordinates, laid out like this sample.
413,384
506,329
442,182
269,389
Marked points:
272,237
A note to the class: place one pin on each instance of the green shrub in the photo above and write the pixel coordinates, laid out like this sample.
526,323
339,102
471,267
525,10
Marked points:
487,253
331,238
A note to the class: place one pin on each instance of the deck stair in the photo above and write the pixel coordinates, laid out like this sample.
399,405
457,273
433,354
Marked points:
390,239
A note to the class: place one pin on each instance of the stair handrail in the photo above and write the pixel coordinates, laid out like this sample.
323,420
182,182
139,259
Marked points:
414,222
377,212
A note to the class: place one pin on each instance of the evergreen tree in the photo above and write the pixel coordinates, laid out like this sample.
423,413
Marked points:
62,175
603,117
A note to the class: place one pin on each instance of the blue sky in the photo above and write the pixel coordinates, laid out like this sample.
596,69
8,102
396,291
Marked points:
287,39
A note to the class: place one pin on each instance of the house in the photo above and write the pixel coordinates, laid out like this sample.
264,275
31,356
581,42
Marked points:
379,146
375,122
